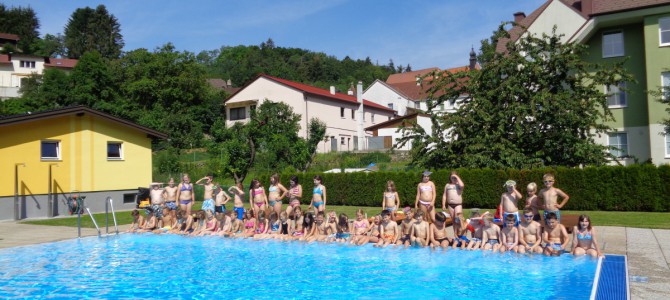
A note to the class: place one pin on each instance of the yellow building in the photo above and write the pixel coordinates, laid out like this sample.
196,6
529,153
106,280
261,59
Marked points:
46,157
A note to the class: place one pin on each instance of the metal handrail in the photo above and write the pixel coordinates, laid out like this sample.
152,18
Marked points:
94,222
109,204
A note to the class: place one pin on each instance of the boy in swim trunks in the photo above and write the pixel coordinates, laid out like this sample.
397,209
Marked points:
533,202
438,232
461,228
555,236
157,200
508,202
530,233
406,229
490,235
510,235
388,230
208,195
221,198
549,196
420,230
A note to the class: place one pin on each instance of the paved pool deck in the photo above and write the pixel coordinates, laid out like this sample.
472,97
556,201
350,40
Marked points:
648,250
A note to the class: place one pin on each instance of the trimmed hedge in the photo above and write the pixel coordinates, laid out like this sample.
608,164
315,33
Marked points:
611,188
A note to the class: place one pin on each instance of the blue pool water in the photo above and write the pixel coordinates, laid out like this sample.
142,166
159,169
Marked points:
169,266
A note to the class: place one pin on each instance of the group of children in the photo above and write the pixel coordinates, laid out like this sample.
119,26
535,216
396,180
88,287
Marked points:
420,227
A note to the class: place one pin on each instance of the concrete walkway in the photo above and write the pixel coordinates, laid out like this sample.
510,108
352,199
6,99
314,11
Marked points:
648,250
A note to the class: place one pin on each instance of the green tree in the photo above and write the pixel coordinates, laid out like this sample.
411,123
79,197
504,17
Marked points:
539,104
93,29
487,50
51,46
23,22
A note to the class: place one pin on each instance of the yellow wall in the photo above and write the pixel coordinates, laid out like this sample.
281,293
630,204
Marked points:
83,151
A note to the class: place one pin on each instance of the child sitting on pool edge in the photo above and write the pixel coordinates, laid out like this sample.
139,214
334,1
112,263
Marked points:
555,236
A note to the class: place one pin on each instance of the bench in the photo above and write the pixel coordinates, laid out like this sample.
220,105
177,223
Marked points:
569,221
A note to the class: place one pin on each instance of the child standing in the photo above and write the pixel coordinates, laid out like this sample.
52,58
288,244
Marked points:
221,198
438,232
318,195
533,202
390,199
510,235
157,200
420,231
208,196
453,195
425,196
555,236
238,195
294,195
549,196
508,202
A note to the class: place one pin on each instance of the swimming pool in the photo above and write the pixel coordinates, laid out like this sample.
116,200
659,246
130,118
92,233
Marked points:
170,266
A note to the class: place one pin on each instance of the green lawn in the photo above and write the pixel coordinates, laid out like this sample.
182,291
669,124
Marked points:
605,218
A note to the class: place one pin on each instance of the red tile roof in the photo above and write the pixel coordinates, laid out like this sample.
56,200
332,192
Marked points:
420,92
60,62
4,59
516,31
320,92
9,36
409,76
601,7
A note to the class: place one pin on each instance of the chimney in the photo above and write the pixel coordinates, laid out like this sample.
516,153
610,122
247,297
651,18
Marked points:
350,92
229,83
332,90
518,16
587,7
473,59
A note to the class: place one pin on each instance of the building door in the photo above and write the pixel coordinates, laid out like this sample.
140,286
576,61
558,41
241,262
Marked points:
333,144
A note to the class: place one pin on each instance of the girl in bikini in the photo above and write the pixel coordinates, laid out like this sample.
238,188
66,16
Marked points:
238,195
584,238
296,224
257,198
262,224
391,199
211,223
249,224
276,192
373,232
425,196
294,195
307,225
185,194
453,195
361,227
318,195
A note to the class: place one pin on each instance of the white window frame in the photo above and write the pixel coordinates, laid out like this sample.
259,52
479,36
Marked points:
28,64
667,145
120,145
665,85
237,117
604,44
50,142
624,147
617,95
662,30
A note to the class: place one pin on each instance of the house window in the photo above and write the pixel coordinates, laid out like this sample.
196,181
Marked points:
390,105
114,151
616,95
664,31
665,85
372,118
618,140
353,114
237,113
613,44
417,105
50,150
129,198
342,112
342,141
27,64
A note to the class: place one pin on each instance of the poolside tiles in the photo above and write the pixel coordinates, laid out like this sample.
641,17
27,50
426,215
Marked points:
613,281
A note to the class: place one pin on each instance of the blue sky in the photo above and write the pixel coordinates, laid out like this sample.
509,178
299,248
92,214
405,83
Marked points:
423,34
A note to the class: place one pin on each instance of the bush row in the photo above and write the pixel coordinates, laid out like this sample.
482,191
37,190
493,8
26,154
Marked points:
610,188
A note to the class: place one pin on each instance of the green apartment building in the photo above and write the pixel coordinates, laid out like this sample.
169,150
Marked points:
636,31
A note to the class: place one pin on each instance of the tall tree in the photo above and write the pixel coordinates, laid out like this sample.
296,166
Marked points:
93,29
539,104
487,50
23,22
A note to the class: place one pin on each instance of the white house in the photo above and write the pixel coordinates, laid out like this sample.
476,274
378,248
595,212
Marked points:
14,68
388,131
382,93
340,112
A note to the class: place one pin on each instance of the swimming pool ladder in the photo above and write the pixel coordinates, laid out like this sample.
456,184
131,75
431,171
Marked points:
108,204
